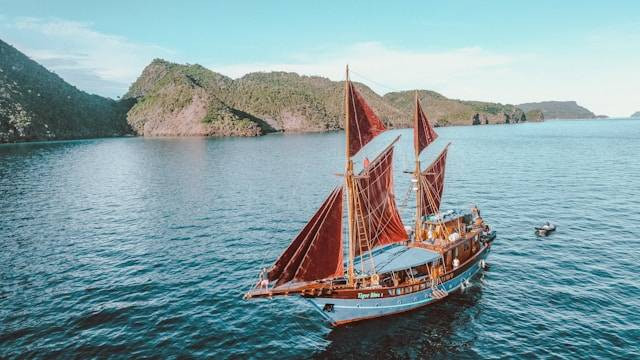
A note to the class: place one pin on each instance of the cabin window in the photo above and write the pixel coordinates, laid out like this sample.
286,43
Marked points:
422,286
391,292
398,291
416,288
455,252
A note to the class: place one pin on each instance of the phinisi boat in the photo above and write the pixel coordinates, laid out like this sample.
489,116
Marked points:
390,268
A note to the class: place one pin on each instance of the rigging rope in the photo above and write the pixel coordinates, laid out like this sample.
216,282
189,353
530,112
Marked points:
367,79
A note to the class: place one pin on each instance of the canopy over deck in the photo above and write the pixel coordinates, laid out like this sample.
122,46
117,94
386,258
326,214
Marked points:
395,258
446,216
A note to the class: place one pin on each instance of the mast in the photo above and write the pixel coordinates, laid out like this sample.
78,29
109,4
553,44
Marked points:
416,174
348,178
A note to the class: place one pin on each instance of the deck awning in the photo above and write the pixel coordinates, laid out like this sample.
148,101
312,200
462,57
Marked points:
395,258
445,216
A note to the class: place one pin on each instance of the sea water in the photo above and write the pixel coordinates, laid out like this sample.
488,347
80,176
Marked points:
133,247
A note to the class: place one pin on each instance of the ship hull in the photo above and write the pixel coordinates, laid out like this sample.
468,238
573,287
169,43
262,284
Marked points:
342,311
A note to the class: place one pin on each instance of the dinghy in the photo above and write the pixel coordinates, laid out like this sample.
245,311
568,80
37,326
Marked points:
545,229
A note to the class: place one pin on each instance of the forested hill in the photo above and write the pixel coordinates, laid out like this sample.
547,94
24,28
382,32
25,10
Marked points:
36,104
174,99
171,99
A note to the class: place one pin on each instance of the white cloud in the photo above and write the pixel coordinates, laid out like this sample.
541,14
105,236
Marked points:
93,61
474,73
385,69
600,73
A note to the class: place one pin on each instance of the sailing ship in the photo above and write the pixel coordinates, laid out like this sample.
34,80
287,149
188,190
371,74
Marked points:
390,268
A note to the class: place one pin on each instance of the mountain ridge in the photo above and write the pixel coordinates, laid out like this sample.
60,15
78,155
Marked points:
170,99
262,102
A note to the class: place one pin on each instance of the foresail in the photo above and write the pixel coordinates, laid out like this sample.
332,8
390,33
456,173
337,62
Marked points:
316,253
423,133
363,123
432,183
377,219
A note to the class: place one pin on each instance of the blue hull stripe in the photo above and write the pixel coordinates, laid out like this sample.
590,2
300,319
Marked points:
347,310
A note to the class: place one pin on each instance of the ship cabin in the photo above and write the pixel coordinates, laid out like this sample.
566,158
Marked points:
395,265
451,238
454,234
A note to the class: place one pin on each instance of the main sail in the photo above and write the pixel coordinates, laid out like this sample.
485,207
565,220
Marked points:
423,133
376,215
432,185
363,124
316,253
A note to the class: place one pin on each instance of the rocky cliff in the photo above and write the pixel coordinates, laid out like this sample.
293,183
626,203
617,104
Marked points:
36,104
635,114
559,110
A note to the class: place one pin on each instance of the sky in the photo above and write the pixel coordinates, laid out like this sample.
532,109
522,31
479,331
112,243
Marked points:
499,51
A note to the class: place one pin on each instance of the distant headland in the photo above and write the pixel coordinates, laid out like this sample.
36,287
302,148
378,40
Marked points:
561,110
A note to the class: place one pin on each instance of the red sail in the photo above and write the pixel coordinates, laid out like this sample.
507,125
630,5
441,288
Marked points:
423,133
432,181
376,216
316,253
364,125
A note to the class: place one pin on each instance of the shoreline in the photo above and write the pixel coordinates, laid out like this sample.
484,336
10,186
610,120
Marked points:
36,141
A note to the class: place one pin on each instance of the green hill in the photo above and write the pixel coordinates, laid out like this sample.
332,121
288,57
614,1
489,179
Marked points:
170,99
559,110
443,111
175,99
36,104
292,102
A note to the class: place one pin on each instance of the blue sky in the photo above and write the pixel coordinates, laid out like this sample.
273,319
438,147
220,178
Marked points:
504,51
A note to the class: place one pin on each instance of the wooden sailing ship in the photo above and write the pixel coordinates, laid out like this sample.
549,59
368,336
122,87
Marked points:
390,269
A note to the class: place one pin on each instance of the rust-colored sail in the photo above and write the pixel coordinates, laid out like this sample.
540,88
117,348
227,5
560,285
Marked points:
363,123
423,133
316,253
432,181
377,219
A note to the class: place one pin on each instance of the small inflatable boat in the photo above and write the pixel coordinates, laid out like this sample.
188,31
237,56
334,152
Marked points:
545,229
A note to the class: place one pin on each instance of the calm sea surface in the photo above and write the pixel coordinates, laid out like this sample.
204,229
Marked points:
137,247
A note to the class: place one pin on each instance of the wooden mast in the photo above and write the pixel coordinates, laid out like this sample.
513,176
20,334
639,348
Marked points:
349,184
416,174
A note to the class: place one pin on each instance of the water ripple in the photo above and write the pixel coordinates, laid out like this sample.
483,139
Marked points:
144,247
